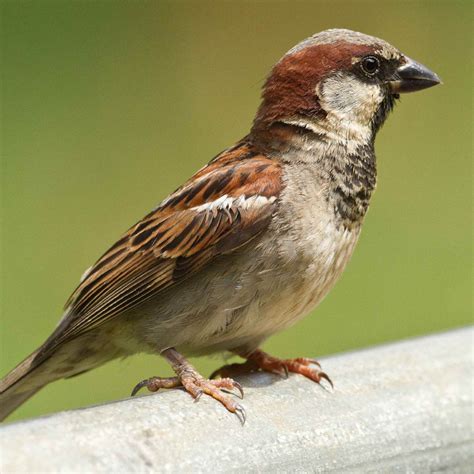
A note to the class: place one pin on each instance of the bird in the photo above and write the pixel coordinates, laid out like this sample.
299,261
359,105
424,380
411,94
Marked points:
251,243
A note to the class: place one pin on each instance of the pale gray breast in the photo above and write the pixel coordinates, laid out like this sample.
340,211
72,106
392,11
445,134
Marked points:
311,239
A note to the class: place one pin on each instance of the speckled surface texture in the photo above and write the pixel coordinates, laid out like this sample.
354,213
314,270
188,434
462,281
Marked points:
404,407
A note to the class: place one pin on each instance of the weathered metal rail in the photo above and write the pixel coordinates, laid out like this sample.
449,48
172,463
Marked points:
403,407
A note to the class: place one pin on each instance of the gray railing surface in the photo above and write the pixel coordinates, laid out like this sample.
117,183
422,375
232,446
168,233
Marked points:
403,407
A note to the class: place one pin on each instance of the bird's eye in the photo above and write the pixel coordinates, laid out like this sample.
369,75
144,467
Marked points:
370,65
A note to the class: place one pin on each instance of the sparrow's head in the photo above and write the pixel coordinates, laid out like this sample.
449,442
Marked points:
341,82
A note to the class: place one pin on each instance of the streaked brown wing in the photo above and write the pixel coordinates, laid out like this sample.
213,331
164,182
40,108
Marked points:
221,208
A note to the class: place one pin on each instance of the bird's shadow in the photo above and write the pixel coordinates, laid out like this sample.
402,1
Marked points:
259,379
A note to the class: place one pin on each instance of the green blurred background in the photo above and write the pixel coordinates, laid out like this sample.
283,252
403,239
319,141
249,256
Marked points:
107,106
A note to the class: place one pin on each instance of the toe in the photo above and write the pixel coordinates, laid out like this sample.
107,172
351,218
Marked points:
306,361
153,384
196,387
229,384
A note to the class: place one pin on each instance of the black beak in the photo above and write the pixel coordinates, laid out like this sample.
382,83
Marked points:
412,77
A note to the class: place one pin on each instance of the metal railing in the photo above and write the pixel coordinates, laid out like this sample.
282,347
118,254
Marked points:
402,407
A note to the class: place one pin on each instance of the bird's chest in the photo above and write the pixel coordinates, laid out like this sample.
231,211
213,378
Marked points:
312,253
287,271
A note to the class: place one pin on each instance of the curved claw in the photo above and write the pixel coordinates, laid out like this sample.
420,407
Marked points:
139,386
315,362
281,370
240,389
240,413
198,396
325,376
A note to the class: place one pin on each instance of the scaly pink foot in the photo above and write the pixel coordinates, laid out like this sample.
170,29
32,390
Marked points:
195,384
259,360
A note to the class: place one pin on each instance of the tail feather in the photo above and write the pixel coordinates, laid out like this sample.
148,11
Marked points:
10,401
44,366
20,384
18,373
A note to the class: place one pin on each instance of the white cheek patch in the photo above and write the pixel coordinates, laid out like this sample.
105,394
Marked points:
349,99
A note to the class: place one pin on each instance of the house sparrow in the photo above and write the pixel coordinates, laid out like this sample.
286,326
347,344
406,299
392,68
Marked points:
252,242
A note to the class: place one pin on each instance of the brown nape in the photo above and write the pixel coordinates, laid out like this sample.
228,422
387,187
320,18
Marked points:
289,91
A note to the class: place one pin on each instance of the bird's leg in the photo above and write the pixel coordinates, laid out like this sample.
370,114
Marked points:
194,383
259,360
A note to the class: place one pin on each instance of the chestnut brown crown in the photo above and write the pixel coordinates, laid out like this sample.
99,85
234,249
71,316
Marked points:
338,71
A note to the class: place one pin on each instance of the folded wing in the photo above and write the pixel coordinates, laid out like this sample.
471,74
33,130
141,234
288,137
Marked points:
221,208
